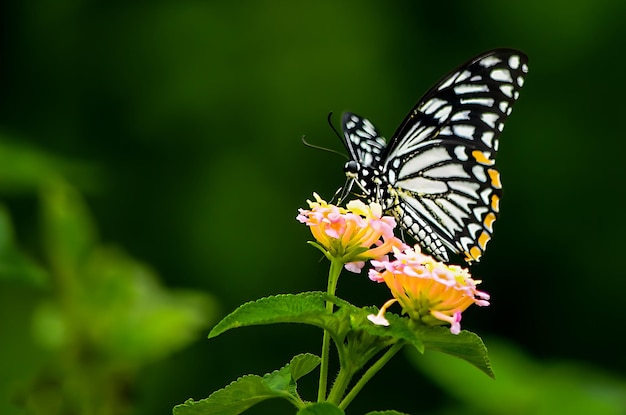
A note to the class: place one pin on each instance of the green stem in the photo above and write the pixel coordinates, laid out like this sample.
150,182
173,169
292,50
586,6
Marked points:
369,373
340,385
333,275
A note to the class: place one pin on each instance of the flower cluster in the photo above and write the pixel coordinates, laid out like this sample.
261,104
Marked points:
354,234
429,291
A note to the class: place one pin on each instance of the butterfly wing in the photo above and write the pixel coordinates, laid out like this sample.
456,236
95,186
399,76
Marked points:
440,162
362,140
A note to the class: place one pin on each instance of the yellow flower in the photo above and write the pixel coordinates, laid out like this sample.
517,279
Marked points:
429,291
354,234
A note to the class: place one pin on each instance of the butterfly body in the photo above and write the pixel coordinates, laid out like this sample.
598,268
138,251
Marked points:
437,174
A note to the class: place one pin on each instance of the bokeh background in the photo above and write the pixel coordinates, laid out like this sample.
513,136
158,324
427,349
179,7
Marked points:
160,143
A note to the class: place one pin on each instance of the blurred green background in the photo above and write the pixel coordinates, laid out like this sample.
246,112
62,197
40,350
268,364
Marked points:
167,133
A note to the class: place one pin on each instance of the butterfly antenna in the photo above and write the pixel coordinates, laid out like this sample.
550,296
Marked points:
330,122
330,150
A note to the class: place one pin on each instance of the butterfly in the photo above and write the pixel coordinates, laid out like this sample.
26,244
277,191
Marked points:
437,174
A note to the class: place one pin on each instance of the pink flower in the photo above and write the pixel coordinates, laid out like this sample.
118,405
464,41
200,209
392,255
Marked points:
354,234
429,291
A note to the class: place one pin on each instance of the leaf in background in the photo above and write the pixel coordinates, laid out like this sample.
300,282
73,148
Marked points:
131,315
525,385
14,264
69,231
109,301
24,169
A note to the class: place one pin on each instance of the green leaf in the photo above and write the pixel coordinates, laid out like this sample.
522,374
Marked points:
390,412
249,390
303,364
307,308
69,231
24,168
465,345
14,264
525,384
321,408
399,328
128,313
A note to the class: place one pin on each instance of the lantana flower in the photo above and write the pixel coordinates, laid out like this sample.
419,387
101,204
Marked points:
429,291
354,234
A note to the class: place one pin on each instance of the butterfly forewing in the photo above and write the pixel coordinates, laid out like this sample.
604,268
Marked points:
363,140
437,175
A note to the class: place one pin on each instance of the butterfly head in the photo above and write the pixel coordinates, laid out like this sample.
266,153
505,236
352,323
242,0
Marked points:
352,169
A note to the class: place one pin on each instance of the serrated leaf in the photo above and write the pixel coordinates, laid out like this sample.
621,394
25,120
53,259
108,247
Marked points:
307,308
321,408
465,345
303,364
249,390
235,398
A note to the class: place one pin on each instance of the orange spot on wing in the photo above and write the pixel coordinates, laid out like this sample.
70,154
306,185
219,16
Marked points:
482,158
489,220
474,254
495,203
483,239
495,178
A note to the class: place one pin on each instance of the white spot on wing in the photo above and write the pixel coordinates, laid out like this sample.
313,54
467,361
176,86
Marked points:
454,211
448,82
461,115
485,195
479,173
514,62
463,76
501,75
507,89
479,212
443,113
487,102
489,61
474,228
422,185
489,118
465,187
369,128
447,170
460,153
444,218
469,88
487,138
432,105
422,161
464,131
462,202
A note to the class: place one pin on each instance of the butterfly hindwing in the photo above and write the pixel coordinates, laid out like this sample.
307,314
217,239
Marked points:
437,175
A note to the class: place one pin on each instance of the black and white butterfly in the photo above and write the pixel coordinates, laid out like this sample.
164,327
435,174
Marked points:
437,174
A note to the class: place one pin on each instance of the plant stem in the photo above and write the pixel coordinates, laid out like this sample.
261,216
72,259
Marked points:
340,385
369,373
333,275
